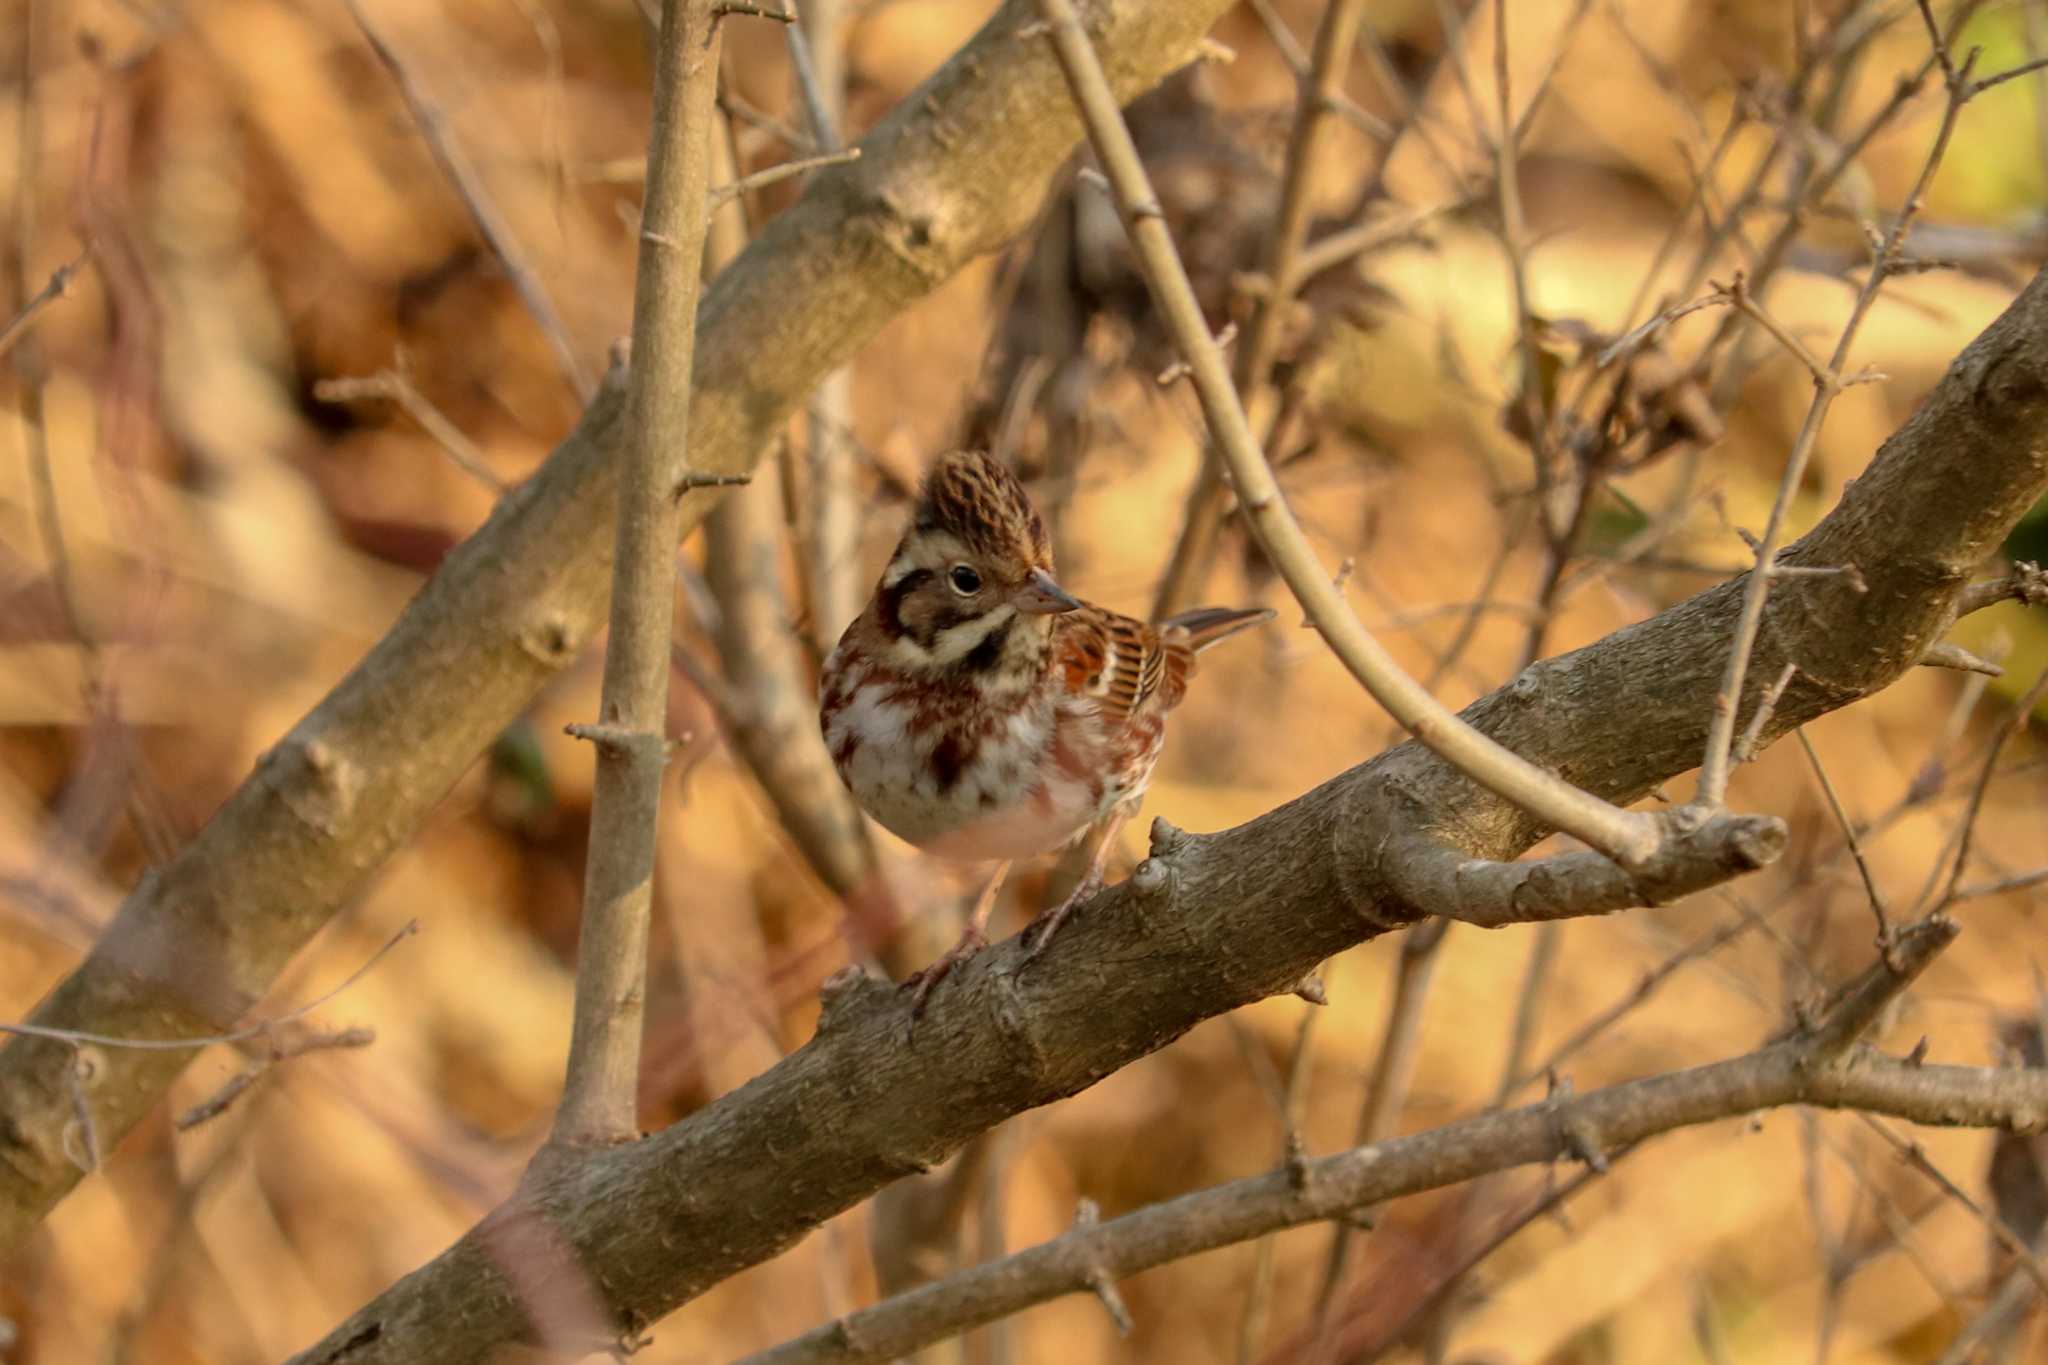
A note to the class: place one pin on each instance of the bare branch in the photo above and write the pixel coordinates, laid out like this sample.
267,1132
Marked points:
57,287
600,1095
1828,383
770,706
1321,90
396,386
281,1050
1622,835
476,197
1695,853
1605,1120
775,175
1948,654
1746,749
2027,584
1849,836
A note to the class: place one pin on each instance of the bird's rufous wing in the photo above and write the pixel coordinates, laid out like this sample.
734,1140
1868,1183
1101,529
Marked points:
1122,663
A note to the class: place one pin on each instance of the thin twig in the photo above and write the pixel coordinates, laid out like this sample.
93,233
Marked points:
2016,720
1288,1101
280,1050
476,197
1280,264
1392,1074
1916,1156
1621,834
600,1093
260,1029
58,286
775,175
394,385
1745,750
828,551
1848,826
1713,781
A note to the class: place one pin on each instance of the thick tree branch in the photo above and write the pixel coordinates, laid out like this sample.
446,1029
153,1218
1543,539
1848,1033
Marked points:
956,171
1210,923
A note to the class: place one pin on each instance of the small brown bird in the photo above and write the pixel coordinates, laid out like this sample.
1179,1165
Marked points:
979,711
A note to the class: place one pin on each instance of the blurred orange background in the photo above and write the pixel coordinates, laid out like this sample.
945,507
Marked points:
266,216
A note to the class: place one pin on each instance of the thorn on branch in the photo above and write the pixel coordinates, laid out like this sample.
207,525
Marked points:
1583,1143
1167,839
694,480
84,1068
1918,1056
1947,654
746,8
1311,989
850,991
1180,369
1296,1164
1746,749
621,740
1087,1215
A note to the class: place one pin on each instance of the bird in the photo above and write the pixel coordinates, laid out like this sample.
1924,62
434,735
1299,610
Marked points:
981,712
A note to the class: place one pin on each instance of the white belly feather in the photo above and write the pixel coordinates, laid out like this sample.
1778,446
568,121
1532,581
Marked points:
1009,800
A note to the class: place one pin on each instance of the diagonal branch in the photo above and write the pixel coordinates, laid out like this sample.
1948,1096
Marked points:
1321,90
1629,838
476,197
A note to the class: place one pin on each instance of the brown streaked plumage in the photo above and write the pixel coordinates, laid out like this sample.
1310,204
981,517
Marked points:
979,711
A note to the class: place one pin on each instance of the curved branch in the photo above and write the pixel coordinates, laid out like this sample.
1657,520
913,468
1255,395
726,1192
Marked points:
1211,923
1625,836
1697,851
957,170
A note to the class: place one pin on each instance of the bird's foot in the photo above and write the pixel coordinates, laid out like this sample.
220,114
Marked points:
1040,931
972,941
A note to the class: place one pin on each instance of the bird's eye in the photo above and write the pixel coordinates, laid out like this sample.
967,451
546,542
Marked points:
965,580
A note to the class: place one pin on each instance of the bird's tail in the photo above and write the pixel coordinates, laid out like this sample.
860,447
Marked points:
1204,626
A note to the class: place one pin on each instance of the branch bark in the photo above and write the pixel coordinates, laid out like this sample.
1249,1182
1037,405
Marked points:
956,171
1587,1128
1212,922
600,1093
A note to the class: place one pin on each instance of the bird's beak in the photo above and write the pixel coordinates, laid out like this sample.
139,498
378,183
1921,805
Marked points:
1040,596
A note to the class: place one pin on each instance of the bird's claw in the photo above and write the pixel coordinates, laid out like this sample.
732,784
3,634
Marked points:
921,986
1040,931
